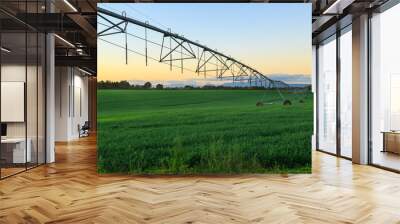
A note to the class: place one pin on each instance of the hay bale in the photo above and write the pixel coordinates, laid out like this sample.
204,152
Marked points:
259,104
287,102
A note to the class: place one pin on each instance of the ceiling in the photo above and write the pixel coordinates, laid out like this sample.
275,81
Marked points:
74,22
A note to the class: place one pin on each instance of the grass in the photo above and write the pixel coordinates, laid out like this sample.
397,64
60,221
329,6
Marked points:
203,132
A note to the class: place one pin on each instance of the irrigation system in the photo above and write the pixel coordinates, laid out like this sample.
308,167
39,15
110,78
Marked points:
176,48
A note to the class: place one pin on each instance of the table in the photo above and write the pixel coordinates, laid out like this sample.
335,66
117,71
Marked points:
17,152
391,141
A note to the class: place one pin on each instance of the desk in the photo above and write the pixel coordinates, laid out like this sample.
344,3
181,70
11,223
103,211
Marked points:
391,141
18,150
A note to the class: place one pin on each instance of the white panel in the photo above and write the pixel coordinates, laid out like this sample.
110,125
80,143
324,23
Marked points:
71,103
12,101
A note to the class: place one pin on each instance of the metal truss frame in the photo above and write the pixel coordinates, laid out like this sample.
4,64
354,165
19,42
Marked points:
224,66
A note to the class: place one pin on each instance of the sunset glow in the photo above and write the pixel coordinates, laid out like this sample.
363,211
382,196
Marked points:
273,38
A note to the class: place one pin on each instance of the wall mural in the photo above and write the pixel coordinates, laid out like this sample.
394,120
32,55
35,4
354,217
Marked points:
204,88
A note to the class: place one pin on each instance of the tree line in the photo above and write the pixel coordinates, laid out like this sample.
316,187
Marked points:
126,85
148,85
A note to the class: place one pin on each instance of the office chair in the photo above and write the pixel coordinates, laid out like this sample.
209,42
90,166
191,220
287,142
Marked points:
84,130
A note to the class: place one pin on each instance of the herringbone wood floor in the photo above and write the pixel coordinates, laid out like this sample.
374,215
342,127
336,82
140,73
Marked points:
70,191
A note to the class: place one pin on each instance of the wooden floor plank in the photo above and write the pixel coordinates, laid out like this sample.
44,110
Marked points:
70,191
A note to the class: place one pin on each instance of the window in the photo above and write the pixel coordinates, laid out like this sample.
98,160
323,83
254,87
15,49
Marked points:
327,96
22,79
346,92
385,89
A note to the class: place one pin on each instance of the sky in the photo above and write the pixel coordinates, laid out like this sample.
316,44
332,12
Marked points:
275,39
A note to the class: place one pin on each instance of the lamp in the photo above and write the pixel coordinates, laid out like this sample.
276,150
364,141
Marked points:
70,5
5,50
64,40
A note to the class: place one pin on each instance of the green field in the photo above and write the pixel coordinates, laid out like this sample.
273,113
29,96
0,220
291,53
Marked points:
203,131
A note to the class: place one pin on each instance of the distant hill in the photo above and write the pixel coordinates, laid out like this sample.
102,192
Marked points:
293,80
298,85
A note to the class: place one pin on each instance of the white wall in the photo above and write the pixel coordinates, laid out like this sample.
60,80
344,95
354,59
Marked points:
12,73
33,127
71,102
62,82
80,110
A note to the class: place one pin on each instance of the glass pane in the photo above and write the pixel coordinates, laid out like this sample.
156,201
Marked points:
346,94
13,86
386,89
31,99
327,96
23,89
41,99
